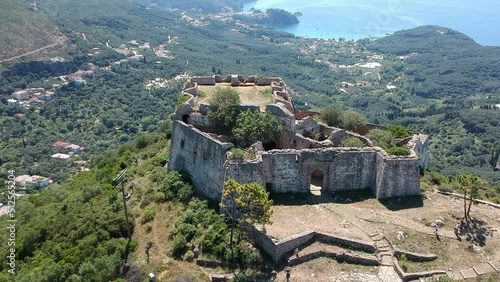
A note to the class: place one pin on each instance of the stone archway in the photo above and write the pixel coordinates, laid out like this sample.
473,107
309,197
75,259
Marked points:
316,183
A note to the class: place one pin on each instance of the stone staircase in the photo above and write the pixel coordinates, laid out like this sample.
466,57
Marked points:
384,249
384,254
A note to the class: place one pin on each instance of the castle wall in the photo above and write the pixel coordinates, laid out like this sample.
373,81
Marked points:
267,81
284,171
203,80
353,170
201,156
246,172
397,177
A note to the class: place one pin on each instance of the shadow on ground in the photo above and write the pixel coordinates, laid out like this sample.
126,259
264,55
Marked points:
343,197
477,231
410,202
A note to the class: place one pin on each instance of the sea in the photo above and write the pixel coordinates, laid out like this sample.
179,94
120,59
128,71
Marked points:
357,19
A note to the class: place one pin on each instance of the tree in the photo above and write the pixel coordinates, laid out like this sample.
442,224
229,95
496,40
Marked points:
381,138
332,115
247,203
255,126
353,121
399,131
174,186
222,110
470,185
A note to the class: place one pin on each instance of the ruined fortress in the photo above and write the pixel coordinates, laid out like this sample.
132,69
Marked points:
295,161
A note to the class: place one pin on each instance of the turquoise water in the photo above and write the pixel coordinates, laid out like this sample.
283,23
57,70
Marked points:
357,19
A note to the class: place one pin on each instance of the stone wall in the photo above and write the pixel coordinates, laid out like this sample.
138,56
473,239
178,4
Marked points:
284,171
201,156
246,172
279,249
203,80
267,81
352,170
397,177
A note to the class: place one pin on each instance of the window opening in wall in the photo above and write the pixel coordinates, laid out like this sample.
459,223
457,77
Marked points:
297,158
316,182
185,119
182,143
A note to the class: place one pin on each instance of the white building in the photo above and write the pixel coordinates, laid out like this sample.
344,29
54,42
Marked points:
61,157
12,102
20,95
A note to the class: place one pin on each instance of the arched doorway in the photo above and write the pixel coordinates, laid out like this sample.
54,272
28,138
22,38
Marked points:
316,182
185,119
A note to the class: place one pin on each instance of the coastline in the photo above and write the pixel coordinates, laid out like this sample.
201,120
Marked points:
378,18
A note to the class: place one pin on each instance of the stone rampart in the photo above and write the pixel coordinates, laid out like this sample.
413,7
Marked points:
397,177
246,172
267,81
279,249
203,80
201,156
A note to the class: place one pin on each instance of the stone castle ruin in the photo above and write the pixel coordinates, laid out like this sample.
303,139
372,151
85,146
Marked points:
294,161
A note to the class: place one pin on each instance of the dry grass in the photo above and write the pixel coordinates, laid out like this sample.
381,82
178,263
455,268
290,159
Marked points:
167,268
249,95
368,216
323,269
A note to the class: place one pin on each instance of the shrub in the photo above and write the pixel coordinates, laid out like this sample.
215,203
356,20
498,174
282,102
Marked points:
332,115
399,131
189,256
182,99
398,151
237,154
141,142
133,245
353,121
147,198
176,187
147,216
446,187
255,126
437,178
179,246
352,142
381,138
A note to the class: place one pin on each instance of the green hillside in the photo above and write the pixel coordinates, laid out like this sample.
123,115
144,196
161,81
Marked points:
205,6
25,28
446,62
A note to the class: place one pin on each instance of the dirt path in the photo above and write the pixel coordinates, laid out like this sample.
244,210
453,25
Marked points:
58,42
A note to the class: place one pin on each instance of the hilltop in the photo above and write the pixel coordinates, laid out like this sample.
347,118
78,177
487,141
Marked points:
443,62
26,30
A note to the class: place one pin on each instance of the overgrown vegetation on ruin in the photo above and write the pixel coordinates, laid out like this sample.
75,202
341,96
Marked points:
222,111
256,126
334,115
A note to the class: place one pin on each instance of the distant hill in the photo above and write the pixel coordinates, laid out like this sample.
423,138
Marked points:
447,61
25,30
205,6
